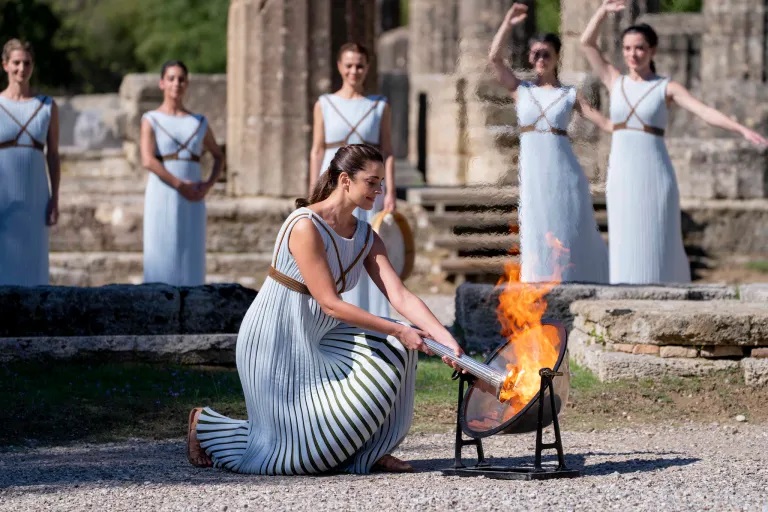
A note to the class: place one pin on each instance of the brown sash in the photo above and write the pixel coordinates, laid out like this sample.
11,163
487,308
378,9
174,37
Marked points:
653,130
300,287
181,145
543,115
14,143
353,128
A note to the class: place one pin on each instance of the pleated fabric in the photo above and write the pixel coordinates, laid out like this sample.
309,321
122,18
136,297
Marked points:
356,121
646,244
174,228
24,192
321,395
554,194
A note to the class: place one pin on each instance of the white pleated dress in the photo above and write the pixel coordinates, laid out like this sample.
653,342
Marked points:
356,121
554,193
321,395
645,236
174,228
24,191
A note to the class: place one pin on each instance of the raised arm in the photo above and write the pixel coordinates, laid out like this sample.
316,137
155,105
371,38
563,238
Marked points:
54,166
390,201
515,15
681,96
606,71
317,153
592,114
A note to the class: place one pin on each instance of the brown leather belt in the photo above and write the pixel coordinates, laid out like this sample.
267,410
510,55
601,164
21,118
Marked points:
532,128
288,282
645,128
16,144
175,156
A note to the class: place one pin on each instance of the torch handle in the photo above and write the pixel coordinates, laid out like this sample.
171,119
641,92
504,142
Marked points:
482,371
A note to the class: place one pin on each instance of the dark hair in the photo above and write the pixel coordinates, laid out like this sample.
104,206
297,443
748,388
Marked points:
650,36
551,39
173,64
16,44
350,159
356,48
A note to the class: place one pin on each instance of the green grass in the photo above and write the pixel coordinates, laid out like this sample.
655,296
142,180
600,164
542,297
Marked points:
758,265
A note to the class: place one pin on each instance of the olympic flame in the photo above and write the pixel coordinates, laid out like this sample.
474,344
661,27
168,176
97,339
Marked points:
521,307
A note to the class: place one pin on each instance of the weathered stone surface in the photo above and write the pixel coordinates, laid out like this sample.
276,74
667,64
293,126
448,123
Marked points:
757,292
759,353
725,226
673,322
721,351
150,309
102,110
611,366
647,350
755,371
184,349
673,351
476,304
214,308
627,348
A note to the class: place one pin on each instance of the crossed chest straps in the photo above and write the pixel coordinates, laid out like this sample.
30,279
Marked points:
181,145
353,127
300,287
653,130
543,115
15,142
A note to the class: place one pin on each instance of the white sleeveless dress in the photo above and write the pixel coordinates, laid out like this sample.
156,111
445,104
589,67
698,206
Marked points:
554,193
24,191
174,228
356,121
321,395
646,244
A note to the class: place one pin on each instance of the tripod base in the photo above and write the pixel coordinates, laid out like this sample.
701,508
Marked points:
512,472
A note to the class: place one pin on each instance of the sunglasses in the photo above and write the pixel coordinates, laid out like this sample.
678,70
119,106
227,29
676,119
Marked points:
540,54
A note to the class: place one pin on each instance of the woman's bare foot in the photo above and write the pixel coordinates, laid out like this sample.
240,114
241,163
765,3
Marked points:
389,464
195,453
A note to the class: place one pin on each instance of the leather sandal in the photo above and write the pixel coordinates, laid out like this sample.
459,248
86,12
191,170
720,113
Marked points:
199,459
389,464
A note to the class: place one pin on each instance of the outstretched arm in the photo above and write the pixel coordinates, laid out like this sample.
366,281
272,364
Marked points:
402,299
592,114
307,247
515,15
680,95
606,71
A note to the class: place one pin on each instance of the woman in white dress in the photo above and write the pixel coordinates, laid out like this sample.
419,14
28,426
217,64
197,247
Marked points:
29,138
645,236
555,199
328,386
348,116
172,142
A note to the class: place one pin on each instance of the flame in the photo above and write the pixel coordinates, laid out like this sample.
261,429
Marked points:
521,307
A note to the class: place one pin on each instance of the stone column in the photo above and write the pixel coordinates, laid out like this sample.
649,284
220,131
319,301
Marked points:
280,58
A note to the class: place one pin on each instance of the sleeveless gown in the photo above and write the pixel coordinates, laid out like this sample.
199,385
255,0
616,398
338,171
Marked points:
174,228
356,121
321,395
24,192
554,193
646,244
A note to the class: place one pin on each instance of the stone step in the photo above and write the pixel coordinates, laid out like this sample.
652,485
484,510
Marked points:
674,322
492,218
476,265
100,268
499,242
478,196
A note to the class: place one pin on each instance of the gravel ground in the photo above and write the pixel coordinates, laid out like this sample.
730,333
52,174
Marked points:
690,467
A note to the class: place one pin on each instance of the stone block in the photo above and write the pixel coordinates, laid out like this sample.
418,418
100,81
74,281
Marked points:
715,352
621,347
675,351
646,350
760,353
212,349
725,227
687,323
215,308
757,292
612,366
755,371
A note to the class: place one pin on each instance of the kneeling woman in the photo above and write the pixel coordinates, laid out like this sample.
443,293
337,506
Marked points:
328,386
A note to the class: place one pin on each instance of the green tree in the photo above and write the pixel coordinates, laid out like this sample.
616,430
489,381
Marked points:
34,21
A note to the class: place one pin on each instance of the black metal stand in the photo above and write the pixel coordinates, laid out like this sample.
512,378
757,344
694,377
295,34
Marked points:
535,472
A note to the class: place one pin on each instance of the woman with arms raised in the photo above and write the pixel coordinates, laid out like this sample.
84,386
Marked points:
554,193
328,386
646,244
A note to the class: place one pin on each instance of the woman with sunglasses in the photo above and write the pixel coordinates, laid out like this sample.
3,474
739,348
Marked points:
646,244
554,193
